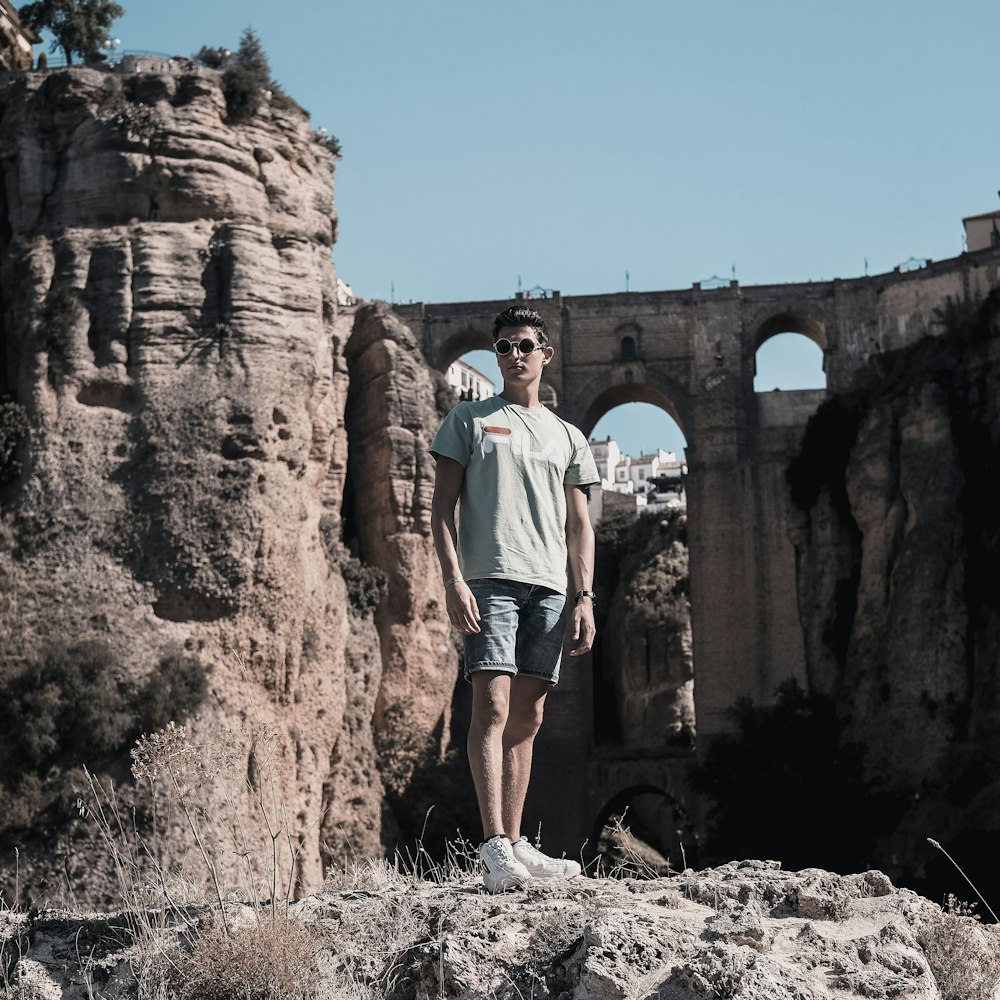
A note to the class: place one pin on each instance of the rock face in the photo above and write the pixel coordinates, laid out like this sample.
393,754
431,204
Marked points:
394,407
746,931
167,322
392,414
645,671
898,545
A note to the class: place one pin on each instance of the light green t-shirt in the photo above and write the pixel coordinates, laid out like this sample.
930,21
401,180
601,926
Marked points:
512,510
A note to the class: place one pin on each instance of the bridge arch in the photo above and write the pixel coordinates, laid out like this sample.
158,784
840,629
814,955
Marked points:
629,382
793,320
652,815
461,342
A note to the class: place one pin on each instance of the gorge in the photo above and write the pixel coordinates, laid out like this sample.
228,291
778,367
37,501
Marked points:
218,504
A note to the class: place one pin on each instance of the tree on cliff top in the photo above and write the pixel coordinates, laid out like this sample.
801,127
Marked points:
78,26
247,75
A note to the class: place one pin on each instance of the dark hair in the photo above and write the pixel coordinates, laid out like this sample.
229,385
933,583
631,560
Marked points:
517,316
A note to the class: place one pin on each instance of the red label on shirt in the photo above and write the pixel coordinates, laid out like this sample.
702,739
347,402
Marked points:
497,430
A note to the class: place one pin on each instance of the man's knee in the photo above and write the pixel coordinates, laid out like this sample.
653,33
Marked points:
490,705
525,719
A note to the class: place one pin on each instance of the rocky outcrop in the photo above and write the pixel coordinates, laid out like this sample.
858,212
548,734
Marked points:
392,415
394,407
167,323
897,539
746,931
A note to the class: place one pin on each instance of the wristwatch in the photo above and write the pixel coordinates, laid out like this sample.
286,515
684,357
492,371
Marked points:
586,593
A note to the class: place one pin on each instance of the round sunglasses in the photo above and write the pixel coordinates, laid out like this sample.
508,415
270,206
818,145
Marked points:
525,345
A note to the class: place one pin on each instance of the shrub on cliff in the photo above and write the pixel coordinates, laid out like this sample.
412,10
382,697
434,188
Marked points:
212,56
431,796
366,584
786,785
13,428
246,79
75,704
648,553
78,27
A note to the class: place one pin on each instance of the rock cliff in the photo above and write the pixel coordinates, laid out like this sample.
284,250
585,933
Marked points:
745,931
167,323
897,537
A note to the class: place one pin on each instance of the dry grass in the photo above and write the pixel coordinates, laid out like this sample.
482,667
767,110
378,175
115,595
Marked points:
963,954
623,855
253,951
268,960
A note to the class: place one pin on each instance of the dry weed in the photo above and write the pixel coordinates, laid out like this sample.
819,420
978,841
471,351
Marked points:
963,954
623,855
247,854
372,942
372,875
269,960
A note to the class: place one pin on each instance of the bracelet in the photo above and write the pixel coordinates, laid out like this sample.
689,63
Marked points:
453,580
586,593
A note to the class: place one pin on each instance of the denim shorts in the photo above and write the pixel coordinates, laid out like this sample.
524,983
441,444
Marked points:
522,629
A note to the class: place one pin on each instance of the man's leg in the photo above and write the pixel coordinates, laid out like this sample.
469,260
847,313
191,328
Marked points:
524,716
491,692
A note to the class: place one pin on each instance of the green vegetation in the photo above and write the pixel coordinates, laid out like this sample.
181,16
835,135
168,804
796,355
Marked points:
787,785
366,584
212,56
648,553
963,955
246,79
247,75
13,428
78,27
328,141
73,704
431,797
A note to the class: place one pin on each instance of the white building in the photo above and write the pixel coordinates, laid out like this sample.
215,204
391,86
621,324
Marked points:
345,294
649,480
468,382
610,465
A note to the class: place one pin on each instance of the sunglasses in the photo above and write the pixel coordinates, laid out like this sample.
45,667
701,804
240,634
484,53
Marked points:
526,345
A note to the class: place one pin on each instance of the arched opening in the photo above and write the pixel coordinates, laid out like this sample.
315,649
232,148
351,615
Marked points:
639,449
628,352
640,832
643,670
789,354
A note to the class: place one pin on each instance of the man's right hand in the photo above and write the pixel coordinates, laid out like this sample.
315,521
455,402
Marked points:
463,612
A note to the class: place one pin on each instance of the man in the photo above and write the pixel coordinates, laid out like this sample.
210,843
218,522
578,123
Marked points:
519,476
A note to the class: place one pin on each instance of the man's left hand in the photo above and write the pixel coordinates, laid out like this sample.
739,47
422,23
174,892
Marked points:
584,629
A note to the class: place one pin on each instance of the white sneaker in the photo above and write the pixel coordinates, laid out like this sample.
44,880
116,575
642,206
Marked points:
503,870
541,865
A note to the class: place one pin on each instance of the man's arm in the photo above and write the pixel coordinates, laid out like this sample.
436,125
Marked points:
449,476
580,546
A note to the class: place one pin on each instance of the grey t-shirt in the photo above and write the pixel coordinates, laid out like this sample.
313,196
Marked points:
512,510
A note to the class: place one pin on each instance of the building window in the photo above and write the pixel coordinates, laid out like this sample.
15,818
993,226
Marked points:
628,349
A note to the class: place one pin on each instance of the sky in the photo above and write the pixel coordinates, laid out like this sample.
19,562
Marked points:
563,144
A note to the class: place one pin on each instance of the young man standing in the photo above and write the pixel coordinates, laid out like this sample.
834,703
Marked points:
519,476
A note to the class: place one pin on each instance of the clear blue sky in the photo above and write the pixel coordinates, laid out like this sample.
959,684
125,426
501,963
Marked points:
570,142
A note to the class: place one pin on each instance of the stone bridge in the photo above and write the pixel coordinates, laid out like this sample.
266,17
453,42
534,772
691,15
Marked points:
692,353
